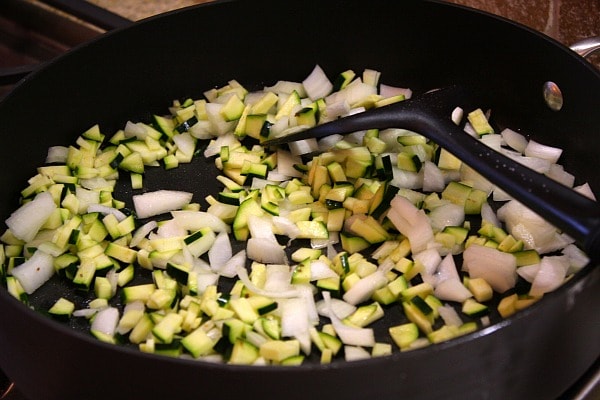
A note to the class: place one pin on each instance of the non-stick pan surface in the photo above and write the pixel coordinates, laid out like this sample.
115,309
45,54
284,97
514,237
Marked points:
131,73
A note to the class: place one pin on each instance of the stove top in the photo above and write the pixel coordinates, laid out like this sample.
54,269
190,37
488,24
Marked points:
36,31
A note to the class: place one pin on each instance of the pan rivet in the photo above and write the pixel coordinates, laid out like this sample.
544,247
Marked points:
553,96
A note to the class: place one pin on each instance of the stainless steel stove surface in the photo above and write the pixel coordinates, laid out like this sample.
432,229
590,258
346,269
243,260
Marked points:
36,31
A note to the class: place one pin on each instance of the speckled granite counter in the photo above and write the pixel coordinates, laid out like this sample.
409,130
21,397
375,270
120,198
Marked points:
565,20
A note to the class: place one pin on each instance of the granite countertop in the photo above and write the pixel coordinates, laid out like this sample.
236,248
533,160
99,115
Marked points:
567,21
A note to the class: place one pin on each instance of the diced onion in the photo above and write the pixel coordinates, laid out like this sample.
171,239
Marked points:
120,215
348,334
34,272
316,84
57,154
159,202
27,220
499,269
106,321
550,275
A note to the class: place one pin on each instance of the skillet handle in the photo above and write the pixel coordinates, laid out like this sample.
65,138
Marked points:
586,47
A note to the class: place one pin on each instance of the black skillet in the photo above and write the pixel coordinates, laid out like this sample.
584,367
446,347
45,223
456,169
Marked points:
136,71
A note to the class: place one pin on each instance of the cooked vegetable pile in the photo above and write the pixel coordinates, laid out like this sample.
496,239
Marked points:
376,222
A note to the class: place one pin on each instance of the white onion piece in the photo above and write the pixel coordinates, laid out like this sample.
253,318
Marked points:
406,179
537,164
388,91
285,163
135,129
57,154
334,238
356,137
316,84
206,279
196,220
214,147
336,110
142,232
341,308
492,140
450,315
457,115
197,263
545,152
275,176
470,130
218,123
514,140
448,214
558,173
265,251
355,353
307,292
26,221
257,340
34,272
353,93
577,258
364,288
97,183
106,321
452,290
259,183
159,202
230,268
551,275
488,214
412,222
201,130
304,146
185,143
446,269
261,228
105,210
220,252
295,322
430,259
321,270
281,127
348,334
286,87
528,272
585,190
278,278
500,195
329,142
113,278
526,225
170,228
285,226
433,179
85,312
86,198
242,274
499,269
